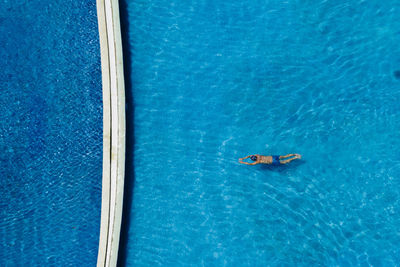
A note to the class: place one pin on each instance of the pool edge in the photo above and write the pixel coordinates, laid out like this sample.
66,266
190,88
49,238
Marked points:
113,131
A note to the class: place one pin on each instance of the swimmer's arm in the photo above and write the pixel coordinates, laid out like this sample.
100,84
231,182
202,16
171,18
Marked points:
254,163
247,163
241,159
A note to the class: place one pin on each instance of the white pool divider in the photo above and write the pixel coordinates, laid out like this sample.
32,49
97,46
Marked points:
113,131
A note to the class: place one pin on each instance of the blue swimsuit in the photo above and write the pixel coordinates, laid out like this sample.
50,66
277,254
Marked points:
275,160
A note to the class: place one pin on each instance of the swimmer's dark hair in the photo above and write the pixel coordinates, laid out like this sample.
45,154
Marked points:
253,158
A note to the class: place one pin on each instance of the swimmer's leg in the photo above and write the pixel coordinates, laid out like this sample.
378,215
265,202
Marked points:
287,160
287,156
296,156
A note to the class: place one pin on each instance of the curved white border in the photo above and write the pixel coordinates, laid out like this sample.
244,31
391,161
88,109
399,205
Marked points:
113,131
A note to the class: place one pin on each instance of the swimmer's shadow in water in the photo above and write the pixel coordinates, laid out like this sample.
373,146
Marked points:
283,167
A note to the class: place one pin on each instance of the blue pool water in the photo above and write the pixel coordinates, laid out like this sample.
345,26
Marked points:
50,133
212,81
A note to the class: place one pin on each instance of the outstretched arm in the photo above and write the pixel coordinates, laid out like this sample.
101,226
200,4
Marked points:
247,163
245,158
254,163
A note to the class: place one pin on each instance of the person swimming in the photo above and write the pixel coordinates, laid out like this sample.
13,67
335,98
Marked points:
271,160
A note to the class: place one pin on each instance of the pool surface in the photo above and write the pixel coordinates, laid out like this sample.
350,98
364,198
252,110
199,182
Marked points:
212,81
50,133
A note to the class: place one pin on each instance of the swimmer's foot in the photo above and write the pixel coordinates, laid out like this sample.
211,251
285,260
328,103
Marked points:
297,156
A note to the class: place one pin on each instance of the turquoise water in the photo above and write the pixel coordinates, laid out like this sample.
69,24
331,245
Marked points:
50,133
211,81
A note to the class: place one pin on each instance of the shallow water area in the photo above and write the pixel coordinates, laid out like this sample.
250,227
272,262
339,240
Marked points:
211,82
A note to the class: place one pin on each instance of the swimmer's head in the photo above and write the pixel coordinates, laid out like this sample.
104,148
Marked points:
253,158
